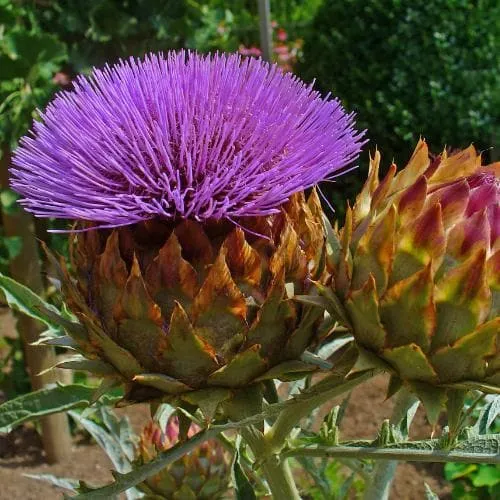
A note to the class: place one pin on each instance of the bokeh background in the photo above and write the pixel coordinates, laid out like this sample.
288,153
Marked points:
407,68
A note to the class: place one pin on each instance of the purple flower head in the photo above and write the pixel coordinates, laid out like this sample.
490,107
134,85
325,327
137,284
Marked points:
181,135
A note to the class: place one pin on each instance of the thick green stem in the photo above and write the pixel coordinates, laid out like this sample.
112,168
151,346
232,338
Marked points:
267,447
276,471
327,389
380,484
125,481
247,465
391,454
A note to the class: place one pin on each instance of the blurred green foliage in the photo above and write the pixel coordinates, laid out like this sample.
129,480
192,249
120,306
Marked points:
29,57
409,69
45,43
330,481
475,481
13,377
10,246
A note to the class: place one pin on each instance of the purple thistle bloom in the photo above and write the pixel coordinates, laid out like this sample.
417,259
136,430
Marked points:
181,136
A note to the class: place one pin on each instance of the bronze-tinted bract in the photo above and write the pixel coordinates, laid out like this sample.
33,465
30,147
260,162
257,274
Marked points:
416,267
202,474
181,307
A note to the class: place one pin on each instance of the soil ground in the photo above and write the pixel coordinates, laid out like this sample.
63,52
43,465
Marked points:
21,452
366,411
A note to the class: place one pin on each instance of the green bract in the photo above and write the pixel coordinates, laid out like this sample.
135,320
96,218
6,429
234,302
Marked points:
201,474
416,273
185,310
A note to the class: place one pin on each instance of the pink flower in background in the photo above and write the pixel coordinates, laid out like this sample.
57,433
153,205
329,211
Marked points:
249,51
285,53
281,35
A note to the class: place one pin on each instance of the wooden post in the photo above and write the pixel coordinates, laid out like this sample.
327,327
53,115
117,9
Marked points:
26,269
266,33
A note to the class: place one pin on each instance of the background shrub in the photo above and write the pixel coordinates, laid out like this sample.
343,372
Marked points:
409,69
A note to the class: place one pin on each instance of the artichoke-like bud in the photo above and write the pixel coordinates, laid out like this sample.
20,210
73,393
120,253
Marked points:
416,271
200,474
185,174
181,307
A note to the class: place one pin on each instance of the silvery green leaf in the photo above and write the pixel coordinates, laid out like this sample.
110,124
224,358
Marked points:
316,473
331,347
115,440
109,443
128,439
65,322
47,401
60,482
242,487
343,408
79,362
429,494
107,384
404,426
120,429
488,415
295,387
345,487
110,420
162,414
52,336
314,359
22,299
123,482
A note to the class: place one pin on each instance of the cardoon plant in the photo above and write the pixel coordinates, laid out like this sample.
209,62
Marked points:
417,270
201,276
202,474
185,175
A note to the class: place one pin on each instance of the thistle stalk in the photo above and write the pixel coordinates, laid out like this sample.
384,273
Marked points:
431,455
421,247
267,447
183,252
276,471
328,388
266,35
383,475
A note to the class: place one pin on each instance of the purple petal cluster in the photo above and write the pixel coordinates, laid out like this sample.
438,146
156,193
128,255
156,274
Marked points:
181,135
